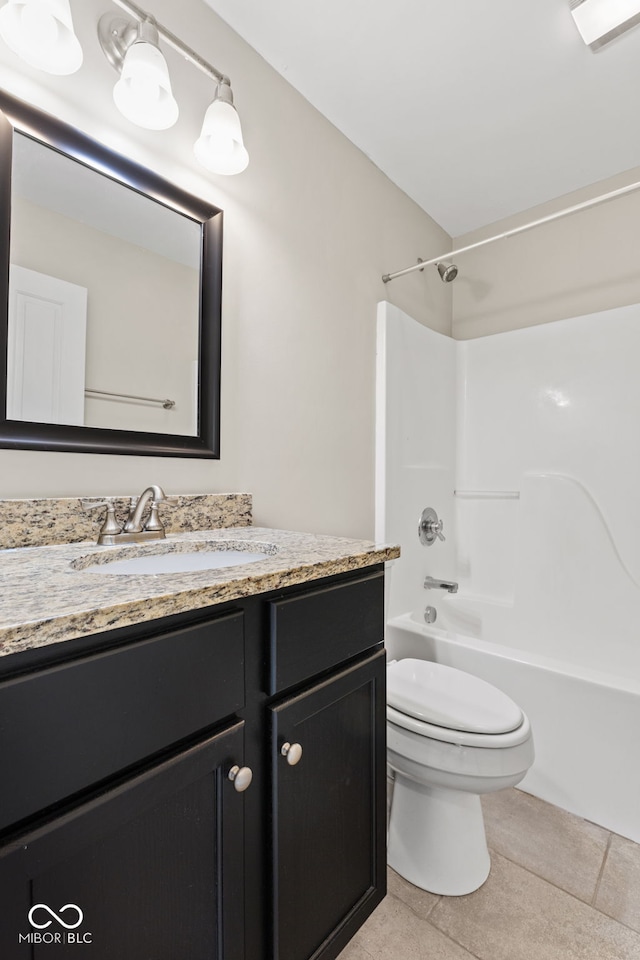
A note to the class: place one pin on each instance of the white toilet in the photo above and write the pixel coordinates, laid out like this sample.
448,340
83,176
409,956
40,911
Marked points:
450,737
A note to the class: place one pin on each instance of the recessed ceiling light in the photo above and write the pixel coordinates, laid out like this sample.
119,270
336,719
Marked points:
600,21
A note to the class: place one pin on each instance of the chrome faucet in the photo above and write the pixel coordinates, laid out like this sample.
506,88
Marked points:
433,583
133,524
133,531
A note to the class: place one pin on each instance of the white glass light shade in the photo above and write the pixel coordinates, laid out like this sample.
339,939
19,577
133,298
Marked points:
143,92
220,147
595,19
41,33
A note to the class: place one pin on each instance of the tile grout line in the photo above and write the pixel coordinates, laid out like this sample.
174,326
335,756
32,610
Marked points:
476,956
546,880
615,920
556,886
364,949
601,873
426,920
451,939
432,921
448,936
432,907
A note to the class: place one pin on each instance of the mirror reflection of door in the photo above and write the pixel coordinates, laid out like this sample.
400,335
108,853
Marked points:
46,349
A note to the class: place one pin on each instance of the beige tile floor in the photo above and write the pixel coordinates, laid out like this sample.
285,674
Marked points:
560,888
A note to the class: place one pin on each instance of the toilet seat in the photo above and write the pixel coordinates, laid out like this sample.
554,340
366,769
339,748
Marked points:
495,741
441,702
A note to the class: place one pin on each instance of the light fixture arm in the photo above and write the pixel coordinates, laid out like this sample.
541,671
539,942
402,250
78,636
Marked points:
194,58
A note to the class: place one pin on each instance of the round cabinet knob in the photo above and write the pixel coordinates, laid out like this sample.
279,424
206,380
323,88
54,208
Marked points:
292,752
240,777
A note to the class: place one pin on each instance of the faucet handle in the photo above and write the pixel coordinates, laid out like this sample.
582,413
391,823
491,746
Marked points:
154,522
88,505
110,525
430,527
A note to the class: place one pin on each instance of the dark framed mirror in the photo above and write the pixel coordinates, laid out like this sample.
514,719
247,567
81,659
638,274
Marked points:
110,293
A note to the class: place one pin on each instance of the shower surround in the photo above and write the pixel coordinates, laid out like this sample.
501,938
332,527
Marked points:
527,444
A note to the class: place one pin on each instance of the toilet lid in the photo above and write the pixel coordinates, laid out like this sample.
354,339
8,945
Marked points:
447,697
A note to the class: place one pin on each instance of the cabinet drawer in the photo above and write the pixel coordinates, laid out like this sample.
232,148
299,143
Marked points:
65,728
315,630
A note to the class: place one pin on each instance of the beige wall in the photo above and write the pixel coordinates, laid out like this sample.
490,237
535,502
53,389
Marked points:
310,227
579,264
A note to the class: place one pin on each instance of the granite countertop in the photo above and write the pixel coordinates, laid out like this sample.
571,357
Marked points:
45,600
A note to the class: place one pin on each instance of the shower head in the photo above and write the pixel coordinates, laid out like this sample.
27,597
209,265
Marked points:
447,271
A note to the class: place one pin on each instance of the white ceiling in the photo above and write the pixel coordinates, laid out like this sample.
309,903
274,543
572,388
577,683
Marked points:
476,108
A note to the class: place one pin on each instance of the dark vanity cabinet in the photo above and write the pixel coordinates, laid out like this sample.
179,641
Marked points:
116,763
329,849
125,829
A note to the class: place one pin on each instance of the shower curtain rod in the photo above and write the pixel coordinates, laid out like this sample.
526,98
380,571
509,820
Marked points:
421,264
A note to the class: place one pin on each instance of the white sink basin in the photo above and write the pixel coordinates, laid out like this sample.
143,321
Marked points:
179,557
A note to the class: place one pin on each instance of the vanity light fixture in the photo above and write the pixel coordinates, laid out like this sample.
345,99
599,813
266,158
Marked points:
600,21
41,33
220,147
143,93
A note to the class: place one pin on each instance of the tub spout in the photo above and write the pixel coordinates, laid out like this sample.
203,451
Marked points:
435,583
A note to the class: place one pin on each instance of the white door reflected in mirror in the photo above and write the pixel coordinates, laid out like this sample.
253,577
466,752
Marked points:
46,348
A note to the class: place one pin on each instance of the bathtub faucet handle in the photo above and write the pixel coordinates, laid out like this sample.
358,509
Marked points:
430,527
437,529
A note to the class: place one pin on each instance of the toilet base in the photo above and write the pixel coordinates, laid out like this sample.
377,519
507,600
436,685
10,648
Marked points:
437,839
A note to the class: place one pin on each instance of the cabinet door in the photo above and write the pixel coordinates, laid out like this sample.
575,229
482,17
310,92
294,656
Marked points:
149,870
329,810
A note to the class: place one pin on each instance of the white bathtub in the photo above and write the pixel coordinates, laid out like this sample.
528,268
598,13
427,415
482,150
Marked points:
585,719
